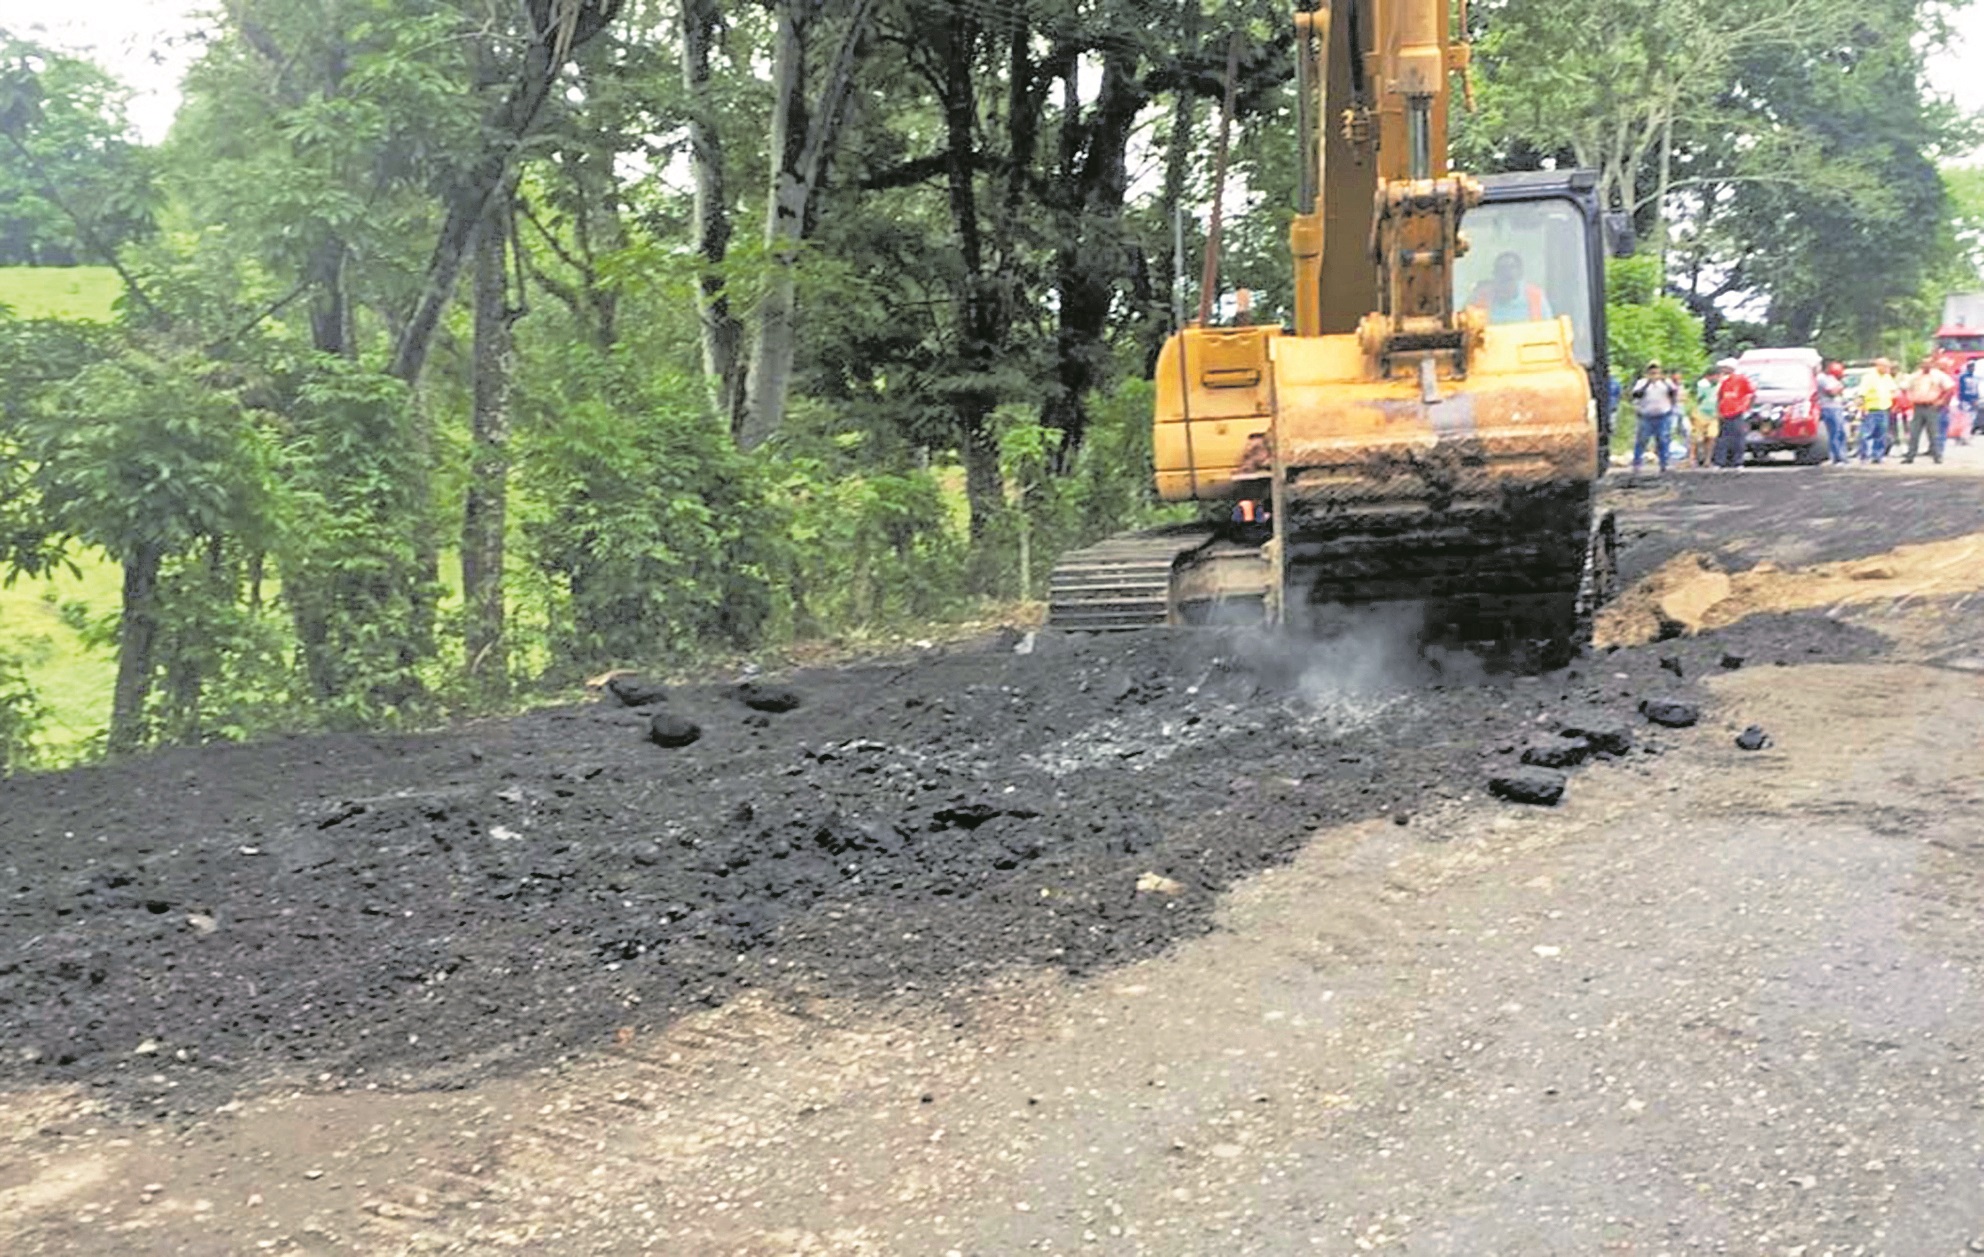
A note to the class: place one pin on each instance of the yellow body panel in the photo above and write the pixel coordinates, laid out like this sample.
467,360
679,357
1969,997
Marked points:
1521,417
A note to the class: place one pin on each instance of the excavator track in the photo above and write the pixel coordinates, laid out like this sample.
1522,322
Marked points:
1520,584
1509,581
1122,583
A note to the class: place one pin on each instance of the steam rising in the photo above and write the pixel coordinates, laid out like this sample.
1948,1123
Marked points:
1351,658
1340,672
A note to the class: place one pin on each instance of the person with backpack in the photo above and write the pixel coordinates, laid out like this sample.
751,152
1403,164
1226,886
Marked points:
1656,400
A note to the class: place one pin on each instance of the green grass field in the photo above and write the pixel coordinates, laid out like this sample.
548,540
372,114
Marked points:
61,292
73,681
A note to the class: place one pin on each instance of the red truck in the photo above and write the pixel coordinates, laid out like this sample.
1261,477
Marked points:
1961,336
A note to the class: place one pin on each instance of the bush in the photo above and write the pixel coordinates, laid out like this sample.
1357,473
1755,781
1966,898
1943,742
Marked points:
355,512
1109,483
648,525
21,716
868,549
226,661
1643,325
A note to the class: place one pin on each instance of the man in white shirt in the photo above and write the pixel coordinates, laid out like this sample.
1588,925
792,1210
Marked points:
1930,388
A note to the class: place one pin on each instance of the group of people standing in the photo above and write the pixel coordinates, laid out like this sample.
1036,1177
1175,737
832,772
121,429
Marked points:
1659,400
1924,401
1930,402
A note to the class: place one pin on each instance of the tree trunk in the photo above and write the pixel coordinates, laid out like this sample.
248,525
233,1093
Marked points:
1660,194
487,659
1091,258
785,217
137,637
466,205
185,675
984,489
801,143
979,325
330,308
722,334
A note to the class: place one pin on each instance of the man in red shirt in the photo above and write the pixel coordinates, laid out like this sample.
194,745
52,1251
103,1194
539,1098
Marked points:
1732,407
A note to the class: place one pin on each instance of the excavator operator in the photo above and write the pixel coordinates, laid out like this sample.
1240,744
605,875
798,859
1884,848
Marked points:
1505,296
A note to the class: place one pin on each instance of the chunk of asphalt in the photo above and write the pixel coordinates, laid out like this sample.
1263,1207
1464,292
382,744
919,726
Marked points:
1543,786
1671,712
1558,752
635,691
1753,738
1604,739
772,698
672,731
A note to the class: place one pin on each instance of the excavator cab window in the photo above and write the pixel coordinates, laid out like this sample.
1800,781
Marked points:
1529,260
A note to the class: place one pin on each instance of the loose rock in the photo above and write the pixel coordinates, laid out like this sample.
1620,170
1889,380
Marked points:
1753,738
1671,712
635,691
1558,752
1604,739
1529,785
772,698
670,730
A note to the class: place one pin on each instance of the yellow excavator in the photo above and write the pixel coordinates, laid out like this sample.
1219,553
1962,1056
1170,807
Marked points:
1431,428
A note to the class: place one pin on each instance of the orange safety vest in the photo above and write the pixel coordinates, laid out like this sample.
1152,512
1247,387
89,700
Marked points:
1484,296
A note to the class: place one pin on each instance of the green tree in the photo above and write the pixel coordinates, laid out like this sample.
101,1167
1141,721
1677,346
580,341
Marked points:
356,487
1779,155
146,458
1643,324
74,188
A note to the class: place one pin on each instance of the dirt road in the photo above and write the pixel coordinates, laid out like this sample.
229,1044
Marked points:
1715,1001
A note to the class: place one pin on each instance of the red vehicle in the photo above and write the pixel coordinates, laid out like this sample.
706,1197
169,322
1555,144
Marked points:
1784,418
1961,337
1955,346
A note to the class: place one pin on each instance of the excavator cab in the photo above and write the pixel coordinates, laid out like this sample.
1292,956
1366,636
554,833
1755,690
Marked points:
1550,220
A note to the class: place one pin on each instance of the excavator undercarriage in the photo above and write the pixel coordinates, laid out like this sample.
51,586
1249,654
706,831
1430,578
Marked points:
1519,582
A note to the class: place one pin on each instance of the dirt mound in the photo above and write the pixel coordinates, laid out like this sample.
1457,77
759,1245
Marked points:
1691,592
407,911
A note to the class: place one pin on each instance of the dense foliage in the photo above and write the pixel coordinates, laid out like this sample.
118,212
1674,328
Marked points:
468,347
1644,324
73,186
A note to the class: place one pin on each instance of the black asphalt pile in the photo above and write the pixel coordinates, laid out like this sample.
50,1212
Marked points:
412,910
